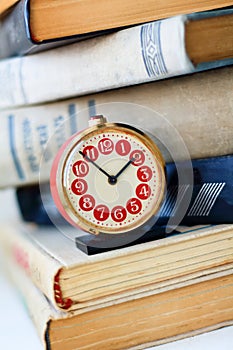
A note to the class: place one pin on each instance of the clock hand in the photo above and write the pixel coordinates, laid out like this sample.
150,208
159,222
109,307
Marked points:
124,167
96,165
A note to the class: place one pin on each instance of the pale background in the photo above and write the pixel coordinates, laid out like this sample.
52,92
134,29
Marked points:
18,333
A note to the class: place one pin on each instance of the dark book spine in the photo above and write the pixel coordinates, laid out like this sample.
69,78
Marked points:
211,201
14,33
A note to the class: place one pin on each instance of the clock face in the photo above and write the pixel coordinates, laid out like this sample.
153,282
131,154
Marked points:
112,179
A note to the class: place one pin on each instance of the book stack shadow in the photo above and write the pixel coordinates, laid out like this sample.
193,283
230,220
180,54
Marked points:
65,62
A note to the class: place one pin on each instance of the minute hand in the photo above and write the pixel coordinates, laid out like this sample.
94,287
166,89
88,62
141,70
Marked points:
96,165
124,167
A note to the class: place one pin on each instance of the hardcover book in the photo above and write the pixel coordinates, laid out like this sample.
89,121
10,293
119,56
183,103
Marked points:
149,52
29,24
198,106
73,280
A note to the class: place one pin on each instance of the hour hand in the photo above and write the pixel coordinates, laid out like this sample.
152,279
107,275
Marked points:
96,165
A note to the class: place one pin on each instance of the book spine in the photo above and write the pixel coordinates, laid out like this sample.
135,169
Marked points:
144,53
12,27
198,106
16,38
42,269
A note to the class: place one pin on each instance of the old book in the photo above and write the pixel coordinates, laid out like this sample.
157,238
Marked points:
158,316
198,106
135,55
17,38
74,281
210,201
74,17
29,20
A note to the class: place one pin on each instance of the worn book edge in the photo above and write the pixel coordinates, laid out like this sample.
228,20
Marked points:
38,254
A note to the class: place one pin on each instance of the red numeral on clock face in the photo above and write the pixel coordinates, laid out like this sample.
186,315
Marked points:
105,146
79,187
138,156
143,191
118,213
80,168
144,173
101,212
134,206
91,152
87,202
123,147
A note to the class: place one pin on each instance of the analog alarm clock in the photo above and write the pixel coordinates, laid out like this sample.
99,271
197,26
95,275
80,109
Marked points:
109,178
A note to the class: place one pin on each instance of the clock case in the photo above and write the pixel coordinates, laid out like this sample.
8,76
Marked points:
103,240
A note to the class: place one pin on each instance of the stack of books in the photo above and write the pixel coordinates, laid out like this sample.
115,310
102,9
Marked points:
65,61
41,91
